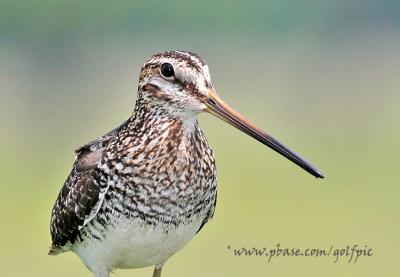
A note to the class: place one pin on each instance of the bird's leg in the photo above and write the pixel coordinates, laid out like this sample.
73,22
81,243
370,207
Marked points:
157,270
102,274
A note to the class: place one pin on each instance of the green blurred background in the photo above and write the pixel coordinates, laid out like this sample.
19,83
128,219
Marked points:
321,76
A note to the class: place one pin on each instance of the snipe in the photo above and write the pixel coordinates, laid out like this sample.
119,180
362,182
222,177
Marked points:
138,194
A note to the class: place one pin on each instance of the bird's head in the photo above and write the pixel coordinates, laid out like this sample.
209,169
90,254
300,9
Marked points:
178,82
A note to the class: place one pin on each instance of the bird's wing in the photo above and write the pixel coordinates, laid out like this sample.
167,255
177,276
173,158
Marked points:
81,195
209,214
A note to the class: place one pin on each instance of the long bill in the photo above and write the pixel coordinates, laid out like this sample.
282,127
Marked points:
219,108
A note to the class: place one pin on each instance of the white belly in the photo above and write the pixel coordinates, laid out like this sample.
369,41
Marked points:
133,244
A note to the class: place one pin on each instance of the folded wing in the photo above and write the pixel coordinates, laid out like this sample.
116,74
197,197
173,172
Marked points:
81,195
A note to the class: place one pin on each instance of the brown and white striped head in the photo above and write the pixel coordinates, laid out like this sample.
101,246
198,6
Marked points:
177,80
179,84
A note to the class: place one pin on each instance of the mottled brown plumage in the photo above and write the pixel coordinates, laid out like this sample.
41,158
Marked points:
138,194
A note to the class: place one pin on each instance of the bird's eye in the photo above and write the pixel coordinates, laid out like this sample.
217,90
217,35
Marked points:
167,70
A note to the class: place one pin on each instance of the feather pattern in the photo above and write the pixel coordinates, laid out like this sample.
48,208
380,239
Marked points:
81,195
138,194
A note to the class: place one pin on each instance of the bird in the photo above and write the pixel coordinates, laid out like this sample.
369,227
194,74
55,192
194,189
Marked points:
140,193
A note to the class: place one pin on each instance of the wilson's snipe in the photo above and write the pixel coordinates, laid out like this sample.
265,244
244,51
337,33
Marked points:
138,194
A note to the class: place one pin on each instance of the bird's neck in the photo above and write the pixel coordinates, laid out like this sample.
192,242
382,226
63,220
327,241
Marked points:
149,116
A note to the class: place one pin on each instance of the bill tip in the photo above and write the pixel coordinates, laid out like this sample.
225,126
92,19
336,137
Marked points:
319,174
